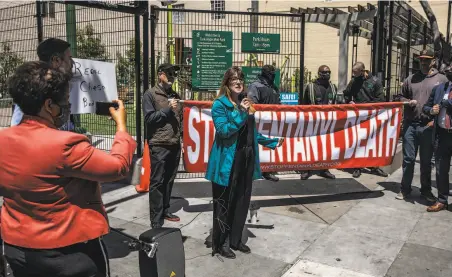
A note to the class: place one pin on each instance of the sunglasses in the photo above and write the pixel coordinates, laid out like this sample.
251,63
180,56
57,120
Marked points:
236,81
325,72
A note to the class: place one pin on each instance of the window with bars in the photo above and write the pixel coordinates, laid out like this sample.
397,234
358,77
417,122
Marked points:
218,5
178,17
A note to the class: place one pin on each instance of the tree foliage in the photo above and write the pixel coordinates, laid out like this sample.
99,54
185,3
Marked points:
90,45
125,65
9,61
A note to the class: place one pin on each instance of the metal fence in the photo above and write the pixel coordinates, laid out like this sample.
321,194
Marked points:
114,32
172,40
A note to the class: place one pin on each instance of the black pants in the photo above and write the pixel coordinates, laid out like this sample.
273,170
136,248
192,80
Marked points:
79,260
164,165
443,157
231,203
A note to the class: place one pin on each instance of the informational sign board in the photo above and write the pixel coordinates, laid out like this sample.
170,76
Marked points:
260,43
93,81
289,98
251,73
211,57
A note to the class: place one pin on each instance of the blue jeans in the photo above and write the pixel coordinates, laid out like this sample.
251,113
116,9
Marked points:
417,136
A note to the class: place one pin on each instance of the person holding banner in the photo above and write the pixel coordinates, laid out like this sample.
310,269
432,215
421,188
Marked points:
265,91
58,54
163,118
439,105
320,92
233,163
364,88
418,126
53,218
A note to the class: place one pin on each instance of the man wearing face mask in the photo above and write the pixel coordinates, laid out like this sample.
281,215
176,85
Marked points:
163,118
320,92
264,91
439,106
58,54
364,88
418,126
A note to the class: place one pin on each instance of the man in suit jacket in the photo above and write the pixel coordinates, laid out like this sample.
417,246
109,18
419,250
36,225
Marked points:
439,105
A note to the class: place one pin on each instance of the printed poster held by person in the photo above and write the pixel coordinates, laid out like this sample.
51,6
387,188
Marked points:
93,81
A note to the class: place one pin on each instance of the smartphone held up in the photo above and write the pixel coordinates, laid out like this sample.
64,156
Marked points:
103,108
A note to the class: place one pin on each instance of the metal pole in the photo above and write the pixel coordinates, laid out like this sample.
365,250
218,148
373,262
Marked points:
374,45
145,60
301,81
448,21
39,21
71,37
153,18
254,22
380,39
425,35
408,45
389,63
169,26
138,84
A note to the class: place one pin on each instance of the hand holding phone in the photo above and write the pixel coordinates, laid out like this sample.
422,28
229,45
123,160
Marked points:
116,110
173,103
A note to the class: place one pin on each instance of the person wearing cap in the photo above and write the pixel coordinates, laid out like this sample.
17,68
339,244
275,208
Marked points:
418,126
163,120
265,91
364,88
58,54
320,92
439,106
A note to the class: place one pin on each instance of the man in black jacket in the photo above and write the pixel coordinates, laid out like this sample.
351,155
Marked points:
364,88
320,92
163,118
264,91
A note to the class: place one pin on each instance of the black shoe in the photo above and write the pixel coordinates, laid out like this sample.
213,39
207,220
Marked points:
225,252
270,177
242,248
171,217
305,175
429,196
356,173
327,174
379,172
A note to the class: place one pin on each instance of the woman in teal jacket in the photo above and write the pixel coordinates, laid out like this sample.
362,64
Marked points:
233,163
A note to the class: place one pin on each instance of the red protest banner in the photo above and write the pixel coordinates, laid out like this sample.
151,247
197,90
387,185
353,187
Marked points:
317,137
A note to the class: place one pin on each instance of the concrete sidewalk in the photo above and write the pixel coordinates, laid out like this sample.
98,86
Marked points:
345,227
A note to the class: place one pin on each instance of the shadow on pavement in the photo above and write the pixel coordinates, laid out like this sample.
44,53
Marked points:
289,201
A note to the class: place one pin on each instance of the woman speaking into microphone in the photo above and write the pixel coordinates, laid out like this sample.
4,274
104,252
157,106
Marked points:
53,218
233,163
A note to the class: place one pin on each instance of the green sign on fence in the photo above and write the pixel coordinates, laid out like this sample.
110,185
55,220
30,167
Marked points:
211,57
252,72
260,43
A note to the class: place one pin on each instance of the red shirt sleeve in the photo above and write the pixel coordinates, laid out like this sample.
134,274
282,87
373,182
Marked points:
84,161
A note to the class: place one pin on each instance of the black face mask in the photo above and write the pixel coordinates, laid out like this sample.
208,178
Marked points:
63,117
270,77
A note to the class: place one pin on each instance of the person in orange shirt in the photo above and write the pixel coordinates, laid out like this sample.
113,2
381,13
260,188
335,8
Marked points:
53,218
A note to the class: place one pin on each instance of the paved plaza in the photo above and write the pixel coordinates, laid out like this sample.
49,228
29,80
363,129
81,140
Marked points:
331,228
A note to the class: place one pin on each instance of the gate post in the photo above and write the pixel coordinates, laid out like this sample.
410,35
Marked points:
138,84
389,46
145,61
153,18
408,45
39,20
301,80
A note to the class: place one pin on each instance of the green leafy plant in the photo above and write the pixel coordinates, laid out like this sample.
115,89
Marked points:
90,45
9,61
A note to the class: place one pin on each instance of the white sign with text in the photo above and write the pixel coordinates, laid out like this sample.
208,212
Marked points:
93,81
